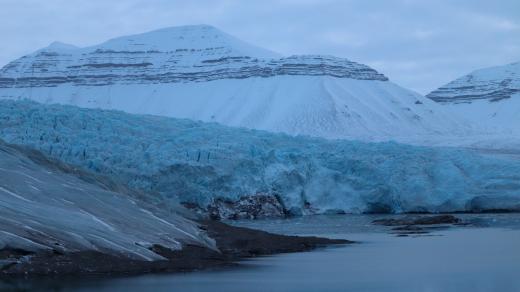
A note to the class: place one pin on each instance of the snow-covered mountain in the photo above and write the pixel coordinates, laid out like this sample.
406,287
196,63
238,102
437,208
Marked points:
195,163
46,206
489,97
202,73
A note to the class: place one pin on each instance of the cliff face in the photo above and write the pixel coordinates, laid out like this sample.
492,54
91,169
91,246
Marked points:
100,68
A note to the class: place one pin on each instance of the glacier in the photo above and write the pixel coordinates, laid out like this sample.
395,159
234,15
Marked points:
179,160
49,206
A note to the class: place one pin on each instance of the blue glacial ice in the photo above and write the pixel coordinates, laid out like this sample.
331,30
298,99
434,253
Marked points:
188,161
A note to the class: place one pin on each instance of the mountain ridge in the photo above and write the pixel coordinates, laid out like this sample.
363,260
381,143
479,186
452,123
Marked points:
201,73
489,97
492,83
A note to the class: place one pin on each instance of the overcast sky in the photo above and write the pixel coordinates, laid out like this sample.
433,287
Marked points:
420,44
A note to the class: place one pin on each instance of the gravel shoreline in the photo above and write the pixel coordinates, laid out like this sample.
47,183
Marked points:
234,243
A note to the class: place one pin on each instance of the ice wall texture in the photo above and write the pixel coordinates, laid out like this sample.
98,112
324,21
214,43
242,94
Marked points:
42,207
195,162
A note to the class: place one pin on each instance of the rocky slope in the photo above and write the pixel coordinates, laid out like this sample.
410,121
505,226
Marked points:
59,220
201,73
46,207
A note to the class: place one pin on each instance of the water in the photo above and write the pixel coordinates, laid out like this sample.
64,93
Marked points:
482,258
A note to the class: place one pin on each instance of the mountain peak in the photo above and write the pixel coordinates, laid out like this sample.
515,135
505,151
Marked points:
489,97
491,84
202,73
188,37
187,28
59,46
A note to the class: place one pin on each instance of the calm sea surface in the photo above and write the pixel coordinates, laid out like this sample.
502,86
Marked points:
485,257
